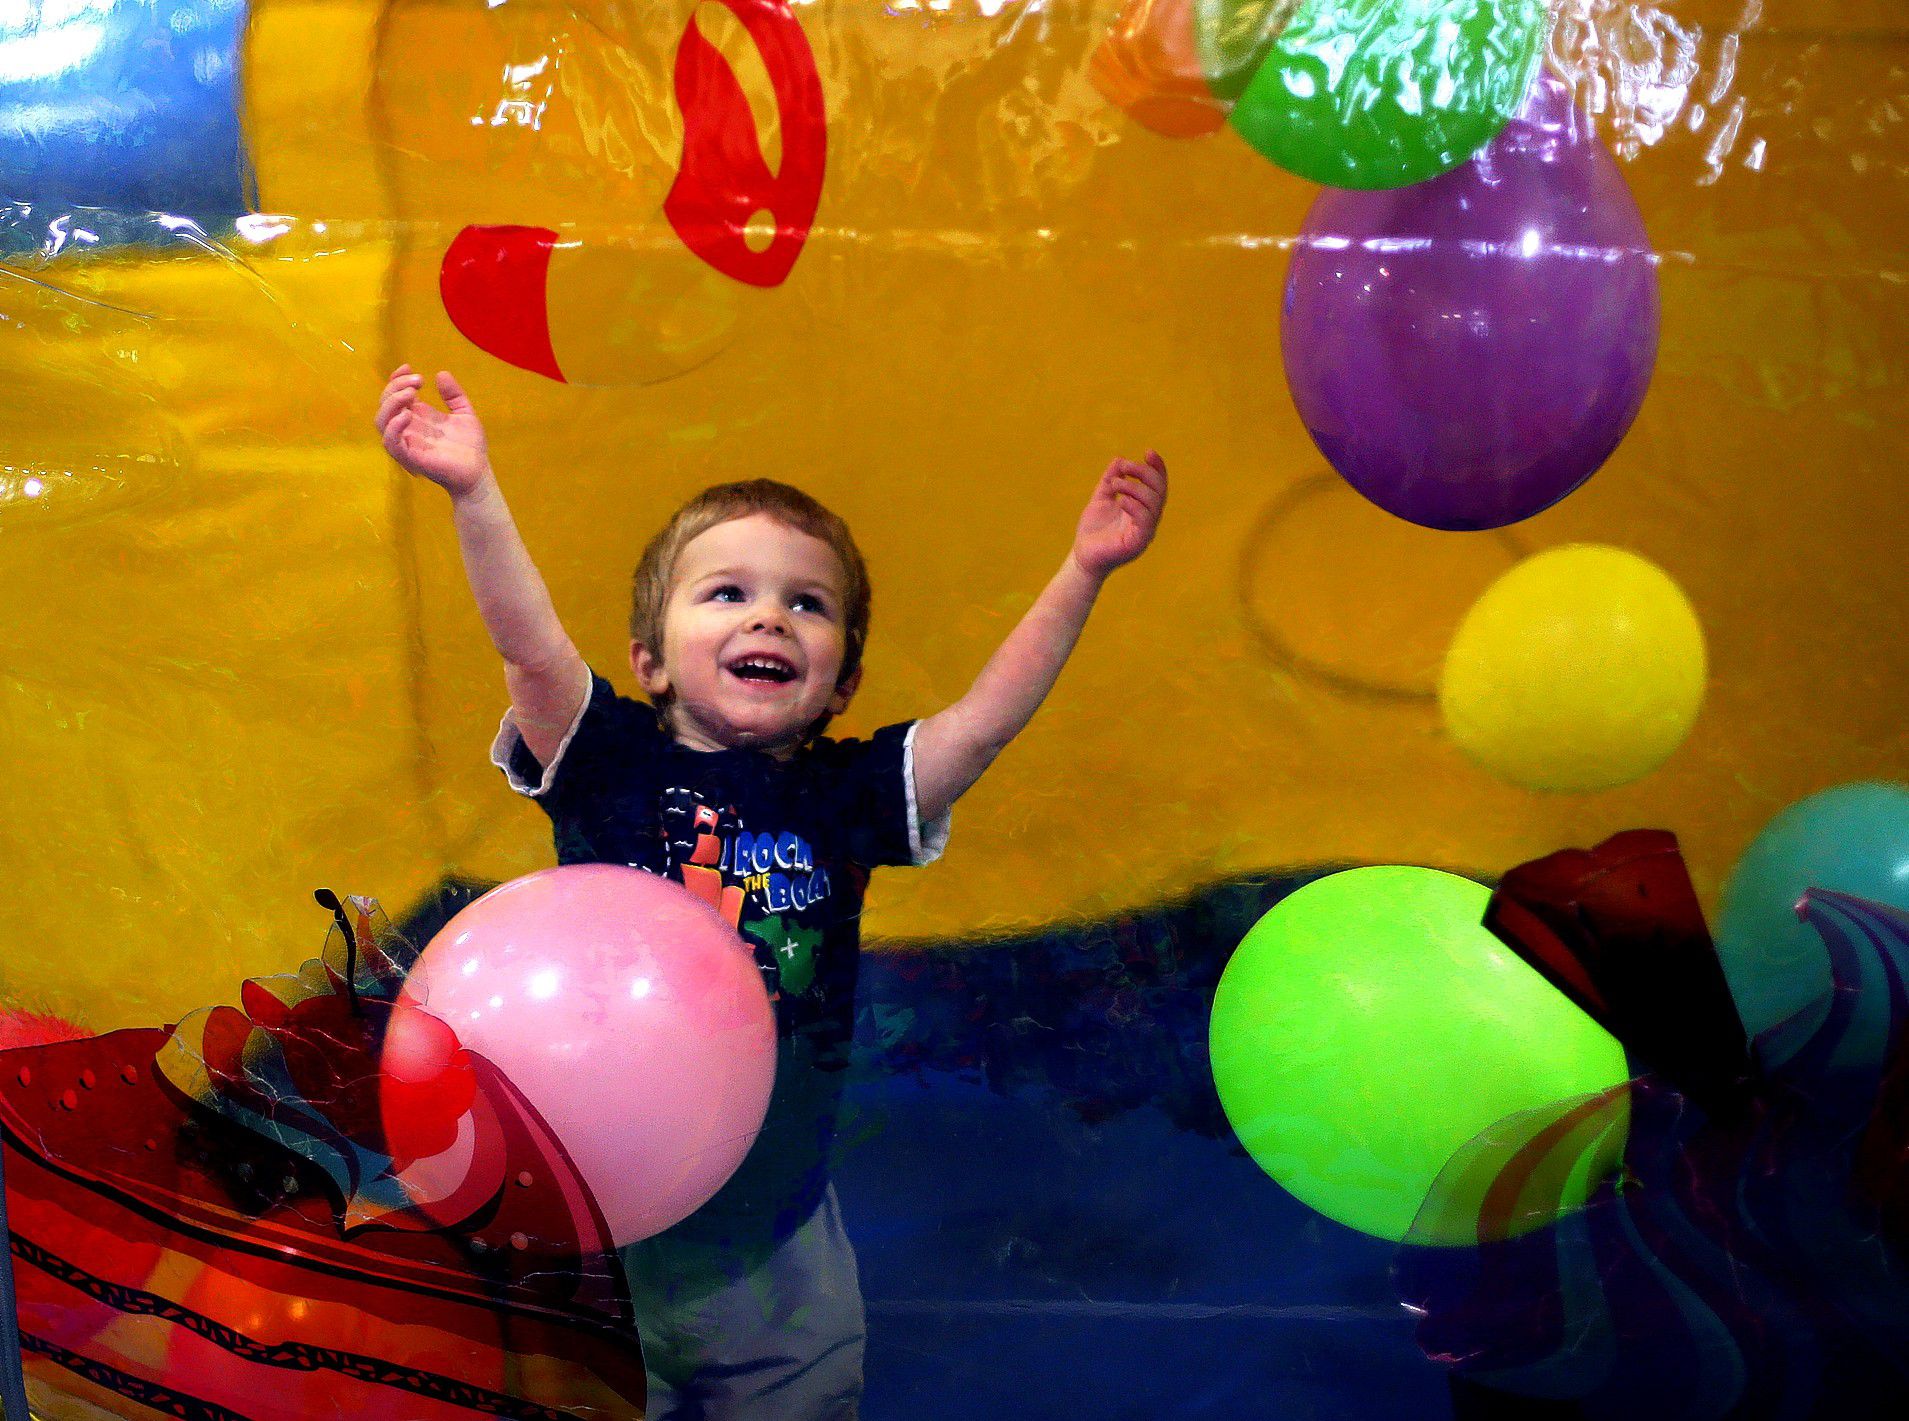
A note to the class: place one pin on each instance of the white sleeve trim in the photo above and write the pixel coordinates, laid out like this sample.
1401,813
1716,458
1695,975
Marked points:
925,841
509,737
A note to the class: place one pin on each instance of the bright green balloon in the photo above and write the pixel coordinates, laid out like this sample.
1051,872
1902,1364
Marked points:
1369,1026
1382,93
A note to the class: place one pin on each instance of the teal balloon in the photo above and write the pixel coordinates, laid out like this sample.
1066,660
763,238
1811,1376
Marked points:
1384,93
1851,839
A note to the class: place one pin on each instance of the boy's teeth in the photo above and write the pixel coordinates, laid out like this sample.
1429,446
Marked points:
769,669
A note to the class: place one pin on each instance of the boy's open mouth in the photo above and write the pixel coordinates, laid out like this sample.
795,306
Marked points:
766,670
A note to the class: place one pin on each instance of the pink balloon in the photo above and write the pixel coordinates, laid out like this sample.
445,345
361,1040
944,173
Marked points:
629,1014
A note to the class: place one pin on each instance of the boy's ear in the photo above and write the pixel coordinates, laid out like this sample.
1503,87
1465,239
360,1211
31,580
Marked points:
844,691
650,674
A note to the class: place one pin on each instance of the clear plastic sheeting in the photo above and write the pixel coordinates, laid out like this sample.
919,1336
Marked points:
124,106
1534,482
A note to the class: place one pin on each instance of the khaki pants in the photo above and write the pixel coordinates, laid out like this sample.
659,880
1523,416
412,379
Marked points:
783,1342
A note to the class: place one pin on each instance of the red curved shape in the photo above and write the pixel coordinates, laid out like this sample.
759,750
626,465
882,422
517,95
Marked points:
723,179
492,286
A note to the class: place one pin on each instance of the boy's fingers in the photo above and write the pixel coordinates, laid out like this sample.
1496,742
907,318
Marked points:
1144,520
1150,486
1153,472
423,415
453,392
407,386
1143,484
1144,513
393,401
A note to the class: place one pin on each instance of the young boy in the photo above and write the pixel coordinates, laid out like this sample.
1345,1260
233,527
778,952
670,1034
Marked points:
749,620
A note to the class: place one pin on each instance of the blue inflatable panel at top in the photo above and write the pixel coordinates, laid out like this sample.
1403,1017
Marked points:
124,105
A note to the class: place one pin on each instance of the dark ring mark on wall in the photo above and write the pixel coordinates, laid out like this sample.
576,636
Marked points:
1274,645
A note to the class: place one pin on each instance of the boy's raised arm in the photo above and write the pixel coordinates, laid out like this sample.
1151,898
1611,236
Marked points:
546,677
954,747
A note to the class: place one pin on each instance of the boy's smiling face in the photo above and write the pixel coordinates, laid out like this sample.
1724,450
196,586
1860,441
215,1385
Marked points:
754,634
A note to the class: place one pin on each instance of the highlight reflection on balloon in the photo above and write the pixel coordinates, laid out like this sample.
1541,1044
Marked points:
1468,351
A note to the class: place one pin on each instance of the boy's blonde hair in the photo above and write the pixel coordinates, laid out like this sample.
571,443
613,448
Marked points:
649,591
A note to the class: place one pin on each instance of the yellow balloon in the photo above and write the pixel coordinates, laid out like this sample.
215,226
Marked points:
1582,668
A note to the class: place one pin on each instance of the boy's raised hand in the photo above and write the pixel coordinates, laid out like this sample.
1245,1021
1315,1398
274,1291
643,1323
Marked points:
445,446
1122,515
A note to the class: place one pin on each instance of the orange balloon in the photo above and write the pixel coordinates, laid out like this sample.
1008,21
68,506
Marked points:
1149,66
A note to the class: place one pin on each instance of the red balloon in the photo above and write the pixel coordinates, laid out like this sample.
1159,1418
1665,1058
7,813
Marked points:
426,1085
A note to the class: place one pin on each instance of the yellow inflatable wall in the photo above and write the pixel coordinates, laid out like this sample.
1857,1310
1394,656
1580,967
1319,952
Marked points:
241,661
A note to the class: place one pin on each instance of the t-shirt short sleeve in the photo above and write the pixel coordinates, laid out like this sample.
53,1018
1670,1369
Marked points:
868,786
608,731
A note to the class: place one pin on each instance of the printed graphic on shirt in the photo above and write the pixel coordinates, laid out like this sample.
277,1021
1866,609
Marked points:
794,948
696,837
762,883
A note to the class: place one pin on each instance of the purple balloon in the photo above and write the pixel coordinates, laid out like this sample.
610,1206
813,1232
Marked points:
1468,350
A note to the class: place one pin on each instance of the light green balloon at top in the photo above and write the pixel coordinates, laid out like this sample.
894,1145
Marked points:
1369,1026
1382,93
1233,38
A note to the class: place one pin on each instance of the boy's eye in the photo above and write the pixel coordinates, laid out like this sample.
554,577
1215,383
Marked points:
808,602
728,592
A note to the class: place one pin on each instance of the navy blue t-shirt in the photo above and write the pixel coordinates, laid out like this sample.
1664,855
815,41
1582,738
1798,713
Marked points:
781,848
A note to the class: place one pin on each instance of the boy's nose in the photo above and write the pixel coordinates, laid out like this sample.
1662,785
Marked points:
768,619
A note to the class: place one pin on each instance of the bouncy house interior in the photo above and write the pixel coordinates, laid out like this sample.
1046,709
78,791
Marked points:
1442,948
